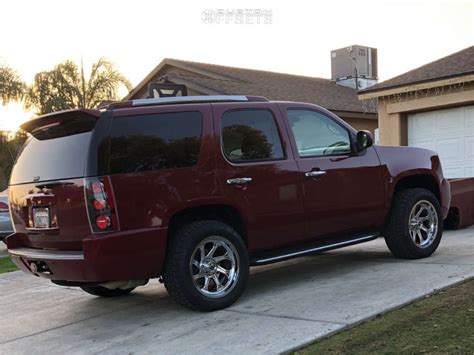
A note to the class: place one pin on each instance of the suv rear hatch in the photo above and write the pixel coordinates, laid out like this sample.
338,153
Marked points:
47,182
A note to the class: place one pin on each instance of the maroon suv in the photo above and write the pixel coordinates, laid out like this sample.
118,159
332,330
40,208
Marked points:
194,190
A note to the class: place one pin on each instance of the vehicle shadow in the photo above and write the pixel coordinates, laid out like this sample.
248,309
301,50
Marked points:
318,269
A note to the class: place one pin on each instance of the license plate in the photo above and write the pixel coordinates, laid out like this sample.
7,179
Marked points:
41,217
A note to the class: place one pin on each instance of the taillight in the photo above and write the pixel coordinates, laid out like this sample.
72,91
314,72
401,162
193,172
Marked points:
103,222
101,205
3,207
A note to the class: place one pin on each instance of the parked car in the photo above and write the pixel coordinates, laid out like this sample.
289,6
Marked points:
5,221
194,190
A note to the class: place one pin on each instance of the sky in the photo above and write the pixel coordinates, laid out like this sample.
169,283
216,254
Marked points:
137,35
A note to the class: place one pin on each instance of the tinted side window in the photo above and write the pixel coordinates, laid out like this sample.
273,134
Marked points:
316,135
250,135
155,142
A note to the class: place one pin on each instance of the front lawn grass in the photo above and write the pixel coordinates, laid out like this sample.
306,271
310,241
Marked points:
6,265
439,324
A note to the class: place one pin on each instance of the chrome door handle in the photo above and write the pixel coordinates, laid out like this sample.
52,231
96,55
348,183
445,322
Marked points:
239,181
315,173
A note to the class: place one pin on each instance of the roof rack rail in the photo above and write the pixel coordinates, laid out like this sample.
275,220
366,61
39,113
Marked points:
186,99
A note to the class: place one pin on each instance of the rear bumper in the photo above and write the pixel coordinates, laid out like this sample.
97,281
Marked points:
118,256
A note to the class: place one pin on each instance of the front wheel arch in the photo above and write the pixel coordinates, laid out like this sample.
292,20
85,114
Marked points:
424,181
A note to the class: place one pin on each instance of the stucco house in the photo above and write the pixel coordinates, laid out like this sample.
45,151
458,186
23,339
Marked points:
431,107
210,79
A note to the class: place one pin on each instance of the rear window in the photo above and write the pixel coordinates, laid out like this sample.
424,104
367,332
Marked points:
51,159
155,142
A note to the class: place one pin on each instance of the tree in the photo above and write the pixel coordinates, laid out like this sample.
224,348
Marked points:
10,146
12,87
66,87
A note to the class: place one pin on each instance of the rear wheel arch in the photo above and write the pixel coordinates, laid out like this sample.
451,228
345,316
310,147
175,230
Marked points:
218,212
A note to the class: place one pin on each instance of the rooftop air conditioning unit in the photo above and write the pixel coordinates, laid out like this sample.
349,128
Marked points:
354,63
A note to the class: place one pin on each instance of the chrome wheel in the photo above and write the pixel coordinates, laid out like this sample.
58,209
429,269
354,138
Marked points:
423,224
214,267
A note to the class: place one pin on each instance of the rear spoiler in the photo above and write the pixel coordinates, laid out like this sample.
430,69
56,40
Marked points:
54,120
58,117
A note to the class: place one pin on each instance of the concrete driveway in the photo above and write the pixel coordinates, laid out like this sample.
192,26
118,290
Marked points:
286,305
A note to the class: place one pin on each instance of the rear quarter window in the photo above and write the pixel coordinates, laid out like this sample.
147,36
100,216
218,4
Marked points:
155,142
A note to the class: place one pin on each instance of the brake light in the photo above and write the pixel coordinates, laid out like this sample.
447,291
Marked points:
101,205
103,222
3,207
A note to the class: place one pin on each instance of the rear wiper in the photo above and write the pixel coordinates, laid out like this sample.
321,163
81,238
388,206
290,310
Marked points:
51,185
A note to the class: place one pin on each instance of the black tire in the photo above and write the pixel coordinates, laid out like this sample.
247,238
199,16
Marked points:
177,274
397,232
106,292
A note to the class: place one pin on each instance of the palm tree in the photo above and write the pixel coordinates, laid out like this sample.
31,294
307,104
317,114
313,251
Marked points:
12,87
66,87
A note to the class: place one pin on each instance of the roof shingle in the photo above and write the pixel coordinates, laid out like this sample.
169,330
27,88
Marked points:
274,86
456,64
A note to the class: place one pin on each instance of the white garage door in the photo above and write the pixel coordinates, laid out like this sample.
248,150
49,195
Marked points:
450,132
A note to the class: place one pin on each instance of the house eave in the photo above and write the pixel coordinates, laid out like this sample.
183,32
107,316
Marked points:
422,85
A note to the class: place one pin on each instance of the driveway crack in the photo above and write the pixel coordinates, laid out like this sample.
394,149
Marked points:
284,317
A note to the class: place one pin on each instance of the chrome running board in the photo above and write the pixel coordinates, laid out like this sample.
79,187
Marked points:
317,247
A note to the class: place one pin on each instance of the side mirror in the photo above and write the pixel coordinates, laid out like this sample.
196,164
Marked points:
364,140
